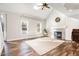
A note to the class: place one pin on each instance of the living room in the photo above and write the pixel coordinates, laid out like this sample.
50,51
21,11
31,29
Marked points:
27,30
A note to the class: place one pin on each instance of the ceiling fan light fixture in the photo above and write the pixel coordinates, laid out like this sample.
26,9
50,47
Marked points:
41,6
70,10
36,7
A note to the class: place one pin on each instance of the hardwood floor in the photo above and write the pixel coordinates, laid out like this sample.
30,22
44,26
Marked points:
65,49
20,48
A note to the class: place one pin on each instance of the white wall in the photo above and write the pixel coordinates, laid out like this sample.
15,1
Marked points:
66,22
71,24
14,27
13,31
32,27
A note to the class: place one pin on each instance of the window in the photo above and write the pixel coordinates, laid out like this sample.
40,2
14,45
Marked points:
39,27
24,27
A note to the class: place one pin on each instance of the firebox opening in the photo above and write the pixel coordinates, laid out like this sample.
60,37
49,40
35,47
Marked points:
58,35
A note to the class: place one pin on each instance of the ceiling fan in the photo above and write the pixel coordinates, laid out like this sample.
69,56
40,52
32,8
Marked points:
45,5
42,6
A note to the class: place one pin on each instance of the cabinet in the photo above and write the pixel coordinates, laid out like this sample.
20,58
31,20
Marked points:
75,35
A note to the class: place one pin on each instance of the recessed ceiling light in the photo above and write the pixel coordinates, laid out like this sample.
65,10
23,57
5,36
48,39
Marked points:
70,10
36,7
1,16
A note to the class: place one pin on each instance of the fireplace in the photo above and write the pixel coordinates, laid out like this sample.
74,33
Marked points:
58,35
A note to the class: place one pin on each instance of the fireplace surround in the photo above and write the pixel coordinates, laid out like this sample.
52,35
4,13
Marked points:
58,33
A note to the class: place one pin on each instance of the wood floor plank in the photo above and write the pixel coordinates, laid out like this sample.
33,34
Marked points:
20,48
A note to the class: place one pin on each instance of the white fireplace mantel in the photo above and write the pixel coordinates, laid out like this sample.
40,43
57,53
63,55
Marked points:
60,29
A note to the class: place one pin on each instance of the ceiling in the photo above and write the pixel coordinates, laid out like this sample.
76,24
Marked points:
70,9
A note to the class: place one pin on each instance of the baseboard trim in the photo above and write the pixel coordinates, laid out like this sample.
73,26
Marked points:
25,38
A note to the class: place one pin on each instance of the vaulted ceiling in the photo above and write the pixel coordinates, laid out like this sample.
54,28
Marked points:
70,9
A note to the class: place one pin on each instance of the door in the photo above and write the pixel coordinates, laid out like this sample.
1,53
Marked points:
1,37
2,30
